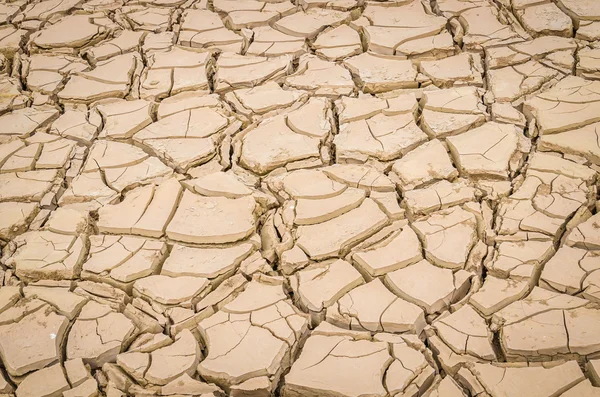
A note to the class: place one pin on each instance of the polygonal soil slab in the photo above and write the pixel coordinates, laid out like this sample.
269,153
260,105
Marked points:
260,316
204,220
174,71
372,307
188,137
270,42
428,286
235,71
492,150
321,77
98,335
204,29
47,255
511,381
568,105
111,167
165,364
406,30
309,23
71,32
337,364
111,78
297,136
32,342
451,111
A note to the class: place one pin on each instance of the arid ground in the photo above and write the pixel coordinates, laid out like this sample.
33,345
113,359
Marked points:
307,198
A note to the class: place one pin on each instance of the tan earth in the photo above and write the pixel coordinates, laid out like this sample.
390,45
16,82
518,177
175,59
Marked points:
299,198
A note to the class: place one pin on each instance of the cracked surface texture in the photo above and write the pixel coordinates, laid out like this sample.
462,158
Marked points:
299,198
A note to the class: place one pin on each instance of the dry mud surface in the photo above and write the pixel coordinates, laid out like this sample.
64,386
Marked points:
318,198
